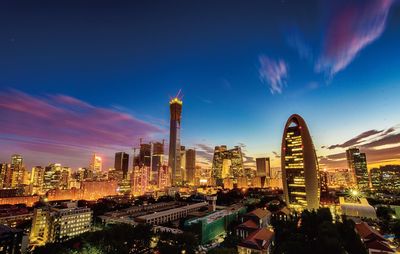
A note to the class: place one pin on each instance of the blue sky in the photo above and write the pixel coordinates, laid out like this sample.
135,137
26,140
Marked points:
244,68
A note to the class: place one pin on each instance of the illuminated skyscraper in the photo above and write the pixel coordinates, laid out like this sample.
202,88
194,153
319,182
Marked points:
299,165
156,160
5,175
190,166
263,167
174,160
52,177
96,164
17,170
227,164
183,163
37,179
163,177
357,163
121,163
139,180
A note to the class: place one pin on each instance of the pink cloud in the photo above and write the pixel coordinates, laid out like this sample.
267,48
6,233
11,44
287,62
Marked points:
273,72
352,28
63,125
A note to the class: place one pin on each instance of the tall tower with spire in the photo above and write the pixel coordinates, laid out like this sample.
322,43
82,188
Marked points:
174,159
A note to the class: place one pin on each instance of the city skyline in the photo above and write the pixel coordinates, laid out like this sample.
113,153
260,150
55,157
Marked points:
275,66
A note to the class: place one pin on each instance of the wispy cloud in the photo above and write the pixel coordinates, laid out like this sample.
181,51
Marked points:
380,146
274,73
63,125
351,28
295,39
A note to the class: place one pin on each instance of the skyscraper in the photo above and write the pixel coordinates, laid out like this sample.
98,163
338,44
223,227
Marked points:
227,164
299,165
37,179
174,160
357,163
17,170
263,167
96,165
121,163
156,160
183,164
190,166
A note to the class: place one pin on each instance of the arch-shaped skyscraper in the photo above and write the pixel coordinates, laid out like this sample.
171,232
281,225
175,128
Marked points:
299,165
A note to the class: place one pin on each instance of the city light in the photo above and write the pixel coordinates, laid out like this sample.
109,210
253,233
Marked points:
288,141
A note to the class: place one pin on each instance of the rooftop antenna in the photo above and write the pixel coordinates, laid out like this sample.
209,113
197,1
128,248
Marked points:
179,95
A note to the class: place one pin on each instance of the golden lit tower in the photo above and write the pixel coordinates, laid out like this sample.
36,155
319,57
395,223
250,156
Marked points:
174,160
299,165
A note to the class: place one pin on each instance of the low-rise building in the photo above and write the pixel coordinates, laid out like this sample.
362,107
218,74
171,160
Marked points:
261,217
215,223
357,208
11,240
373,241
258,242
170,215
58,224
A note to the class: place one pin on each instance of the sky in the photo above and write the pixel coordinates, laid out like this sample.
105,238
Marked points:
78,77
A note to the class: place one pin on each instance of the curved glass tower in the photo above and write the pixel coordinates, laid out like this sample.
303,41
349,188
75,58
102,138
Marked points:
299,166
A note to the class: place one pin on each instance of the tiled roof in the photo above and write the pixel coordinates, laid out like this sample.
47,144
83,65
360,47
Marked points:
259,240
379,246
366,232
260,213
248,224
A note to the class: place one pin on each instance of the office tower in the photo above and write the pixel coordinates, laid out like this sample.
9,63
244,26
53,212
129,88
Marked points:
121,163
386,178
17,170
16,159
64,178
52,177
227,164
183,163
163,177
96,165
139,180
144,155
357,163
323,176
3,172
299,165
84,174
190,166
263,167
156,160
375,176
174,160
350,162
37,179
59,224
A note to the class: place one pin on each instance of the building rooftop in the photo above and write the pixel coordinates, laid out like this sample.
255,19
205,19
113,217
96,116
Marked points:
366,232
259,240
260,213
248,224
